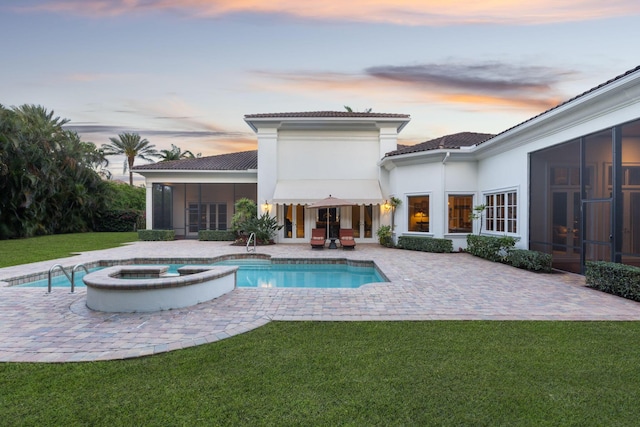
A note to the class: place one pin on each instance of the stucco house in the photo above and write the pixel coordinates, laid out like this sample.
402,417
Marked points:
565,182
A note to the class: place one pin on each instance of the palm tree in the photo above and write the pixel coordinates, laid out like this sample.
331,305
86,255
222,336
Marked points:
350,110
176,153
132,146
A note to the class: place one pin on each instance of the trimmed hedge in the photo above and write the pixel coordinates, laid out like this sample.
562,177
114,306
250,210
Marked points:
156,235
216,235
618,279
120,220
425,244
529,260
493,248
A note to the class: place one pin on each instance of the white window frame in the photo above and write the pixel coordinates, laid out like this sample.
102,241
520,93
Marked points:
428,214
491,218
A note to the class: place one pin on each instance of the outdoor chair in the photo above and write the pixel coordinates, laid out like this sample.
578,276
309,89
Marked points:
317,238
346,238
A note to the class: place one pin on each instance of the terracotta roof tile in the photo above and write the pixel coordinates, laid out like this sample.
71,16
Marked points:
454,141
243,160
336,114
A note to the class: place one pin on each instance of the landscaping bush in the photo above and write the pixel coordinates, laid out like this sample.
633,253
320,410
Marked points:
384,236
493,248
617,279
120,220
216,235
156,235
529,260
425,244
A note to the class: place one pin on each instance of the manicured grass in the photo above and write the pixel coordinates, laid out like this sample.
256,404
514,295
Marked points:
472,373
24,251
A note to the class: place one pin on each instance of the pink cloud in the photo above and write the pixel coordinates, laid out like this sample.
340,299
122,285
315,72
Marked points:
399,12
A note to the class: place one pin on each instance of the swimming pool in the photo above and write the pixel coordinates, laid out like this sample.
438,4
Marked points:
263,273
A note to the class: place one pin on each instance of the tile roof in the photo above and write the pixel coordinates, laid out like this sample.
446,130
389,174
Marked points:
454,141
331,114
608,82
243,160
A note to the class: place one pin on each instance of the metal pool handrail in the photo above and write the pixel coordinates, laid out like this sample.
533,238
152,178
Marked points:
251,236
70,278
51,270
73,274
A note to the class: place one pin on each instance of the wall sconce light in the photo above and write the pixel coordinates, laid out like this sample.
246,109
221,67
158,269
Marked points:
266,207
386,205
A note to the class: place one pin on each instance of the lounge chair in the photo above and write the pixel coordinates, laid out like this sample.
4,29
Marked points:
346,238
317,238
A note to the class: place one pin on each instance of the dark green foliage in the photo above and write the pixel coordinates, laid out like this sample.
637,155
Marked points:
384,236
216,235
156,235
245,210
439,373
529,260
493,248
425,244
120,220
265,228
123,196
48,181
617,279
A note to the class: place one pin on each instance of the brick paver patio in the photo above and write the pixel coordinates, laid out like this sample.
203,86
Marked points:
58,327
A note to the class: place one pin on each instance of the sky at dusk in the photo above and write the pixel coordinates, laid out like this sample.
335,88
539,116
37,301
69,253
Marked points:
186,72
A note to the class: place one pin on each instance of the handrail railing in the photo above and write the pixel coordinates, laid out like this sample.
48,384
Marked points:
73,274
251,236
51,270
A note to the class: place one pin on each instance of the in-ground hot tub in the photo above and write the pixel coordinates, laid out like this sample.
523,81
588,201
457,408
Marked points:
133,288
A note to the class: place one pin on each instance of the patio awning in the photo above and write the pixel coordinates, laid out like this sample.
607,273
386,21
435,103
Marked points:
306,191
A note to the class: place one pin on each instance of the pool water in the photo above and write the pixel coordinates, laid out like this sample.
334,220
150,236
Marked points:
264,274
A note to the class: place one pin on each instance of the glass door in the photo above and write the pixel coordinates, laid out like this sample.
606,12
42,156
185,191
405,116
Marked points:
294,223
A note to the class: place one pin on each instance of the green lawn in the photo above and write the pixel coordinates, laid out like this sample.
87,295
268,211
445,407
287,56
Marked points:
24,251
467,373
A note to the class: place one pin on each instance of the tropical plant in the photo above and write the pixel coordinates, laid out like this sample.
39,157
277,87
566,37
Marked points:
132,146
350,110
48,183
394,202
245,210
265,228
384,236
476,214
176,153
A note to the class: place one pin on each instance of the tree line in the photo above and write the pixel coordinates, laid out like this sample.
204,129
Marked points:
53,182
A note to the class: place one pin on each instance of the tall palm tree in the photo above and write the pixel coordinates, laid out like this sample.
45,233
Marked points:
132,146
176,153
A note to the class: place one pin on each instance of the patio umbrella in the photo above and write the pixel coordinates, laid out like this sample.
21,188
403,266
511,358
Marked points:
330,202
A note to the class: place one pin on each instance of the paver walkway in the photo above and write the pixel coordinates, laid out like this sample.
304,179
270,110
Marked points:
58,327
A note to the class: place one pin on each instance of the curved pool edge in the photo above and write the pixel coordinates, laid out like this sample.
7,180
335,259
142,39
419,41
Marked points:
109,291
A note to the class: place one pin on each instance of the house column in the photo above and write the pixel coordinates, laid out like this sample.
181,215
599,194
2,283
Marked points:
268,164
149,204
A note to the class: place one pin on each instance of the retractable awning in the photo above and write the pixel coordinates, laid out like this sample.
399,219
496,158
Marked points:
307,191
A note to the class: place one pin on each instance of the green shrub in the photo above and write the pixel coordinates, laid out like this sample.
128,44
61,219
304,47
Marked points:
617,279
384,236
529,260
493,248
120,220
425,244
216,235
156,235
